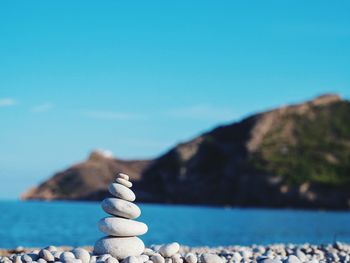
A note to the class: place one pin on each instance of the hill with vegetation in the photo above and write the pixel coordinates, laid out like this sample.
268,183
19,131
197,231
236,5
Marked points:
293,156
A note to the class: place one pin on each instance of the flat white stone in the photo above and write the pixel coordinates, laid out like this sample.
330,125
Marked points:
124,182
121,227
119,247
119,207
124,176
168,250
122,192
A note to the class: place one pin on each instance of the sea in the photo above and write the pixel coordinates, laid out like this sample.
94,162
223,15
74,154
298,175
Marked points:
39,224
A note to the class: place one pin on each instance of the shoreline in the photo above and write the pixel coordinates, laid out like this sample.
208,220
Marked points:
199,205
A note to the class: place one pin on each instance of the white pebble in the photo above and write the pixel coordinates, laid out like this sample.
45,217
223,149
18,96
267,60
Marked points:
81,254
112,260
169,249
122,192
149,252
131,259
210,258
293,259
124,182
124,176
93,259
47,255
65,256
191,258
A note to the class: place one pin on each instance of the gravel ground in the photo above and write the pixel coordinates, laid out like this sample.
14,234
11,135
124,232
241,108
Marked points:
277,253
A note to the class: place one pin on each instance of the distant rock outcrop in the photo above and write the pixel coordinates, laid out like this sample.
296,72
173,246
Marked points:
293,156
87,180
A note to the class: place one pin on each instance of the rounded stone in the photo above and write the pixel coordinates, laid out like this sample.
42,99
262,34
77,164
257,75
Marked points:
149,252
124,182
112,260
17,259
157,258
177,258
293,259
121,227
210,258
72,260
81,254
66,256
168,250
122,208
30,257
119,247
41,260
122,192
124,176
93,259
47,255
131,259
57,254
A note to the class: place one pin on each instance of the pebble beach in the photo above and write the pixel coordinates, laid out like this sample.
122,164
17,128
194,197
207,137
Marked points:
174,253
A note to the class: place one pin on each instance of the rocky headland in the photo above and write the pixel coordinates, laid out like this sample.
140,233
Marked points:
293,156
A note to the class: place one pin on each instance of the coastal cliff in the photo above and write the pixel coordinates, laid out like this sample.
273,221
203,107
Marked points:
293,156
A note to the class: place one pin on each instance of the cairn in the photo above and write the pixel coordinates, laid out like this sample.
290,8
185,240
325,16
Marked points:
122,231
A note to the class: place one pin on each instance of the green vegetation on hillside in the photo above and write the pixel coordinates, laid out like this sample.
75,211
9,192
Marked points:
310,147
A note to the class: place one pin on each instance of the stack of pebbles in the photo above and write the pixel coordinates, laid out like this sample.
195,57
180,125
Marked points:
121,240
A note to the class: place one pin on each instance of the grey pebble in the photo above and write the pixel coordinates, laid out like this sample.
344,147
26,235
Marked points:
131,259
300,254
104,257
149,252
30,257
82,254
144,258
112,260
66,256
46,255
17,259
93,259
292,259
168,250
191,258
269,260
177,258
157,258
210,258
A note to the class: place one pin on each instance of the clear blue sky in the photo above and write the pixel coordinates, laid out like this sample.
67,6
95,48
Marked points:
136,77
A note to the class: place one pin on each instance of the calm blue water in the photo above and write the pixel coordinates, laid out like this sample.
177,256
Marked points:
73,223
